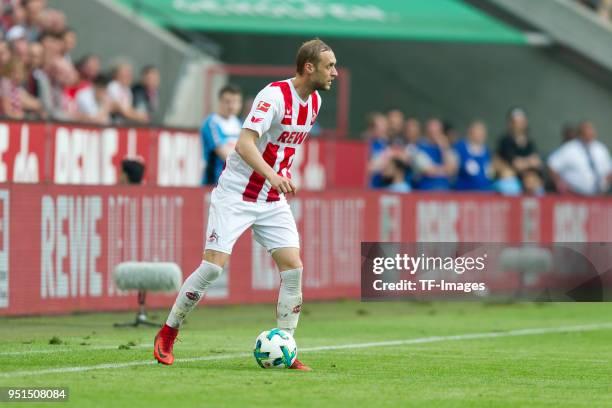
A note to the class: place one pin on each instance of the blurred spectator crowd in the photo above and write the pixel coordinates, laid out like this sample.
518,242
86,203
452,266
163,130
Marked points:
407,155
602,7
40,79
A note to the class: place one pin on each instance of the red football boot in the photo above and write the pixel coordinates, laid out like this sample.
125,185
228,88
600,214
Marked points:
298,365
164,343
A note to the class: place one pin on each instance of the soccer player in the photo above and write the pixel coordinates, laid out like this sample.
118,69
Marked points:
220,132
251,192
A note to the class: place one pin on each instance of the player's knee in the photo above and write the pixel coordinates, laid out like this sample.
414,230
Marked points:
287,258
288,264
215,257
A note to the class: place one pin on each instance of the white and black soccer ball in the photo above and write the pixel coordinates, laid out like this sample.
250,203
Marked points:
275,348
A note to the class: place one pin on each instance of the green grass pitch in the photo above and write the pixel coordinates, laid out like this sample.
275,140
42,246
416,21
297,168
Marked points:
215,368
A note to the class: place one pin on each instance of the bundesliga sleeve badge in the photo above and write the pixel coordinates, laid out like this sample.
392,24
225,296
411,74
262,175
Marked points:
262,106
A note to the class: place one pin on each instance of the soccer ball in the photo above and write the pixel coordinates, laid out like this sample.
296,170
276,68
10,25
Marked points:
275,348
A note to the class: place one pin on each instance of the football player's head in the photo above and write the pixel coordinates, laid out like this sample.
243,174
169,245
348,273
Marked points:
316,62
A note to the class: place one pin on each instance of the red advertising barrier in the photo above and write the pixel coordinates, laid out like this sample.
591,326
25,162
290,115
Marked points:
60,244
23,152
32,152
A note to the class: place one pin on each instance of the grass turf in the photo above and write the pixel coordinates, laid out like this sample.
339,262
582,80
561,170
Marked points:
551,369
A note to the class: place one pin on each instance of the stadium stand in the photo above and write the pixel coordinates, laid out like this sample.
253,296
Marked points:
41,80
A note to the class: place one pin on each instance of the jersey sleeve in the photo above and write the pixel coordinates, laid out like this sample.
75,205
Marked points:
264,112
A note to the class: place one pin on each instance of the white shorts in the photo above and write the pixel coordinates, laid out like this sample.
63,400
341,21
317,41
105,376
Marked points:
229,216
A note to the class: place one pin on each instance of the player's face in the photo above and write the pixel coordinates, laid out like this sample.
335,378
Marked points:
230,104
325,71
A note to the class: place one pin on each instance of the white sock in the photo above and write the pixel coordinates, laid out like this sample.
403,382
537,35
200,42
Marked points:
192,291
289,300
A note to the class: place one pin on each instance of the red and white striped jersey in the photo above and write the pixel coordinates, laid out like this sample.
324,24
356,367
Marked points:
282,120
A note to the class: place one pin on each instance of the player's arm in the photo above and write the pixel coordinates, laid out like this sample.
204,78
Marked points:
247,149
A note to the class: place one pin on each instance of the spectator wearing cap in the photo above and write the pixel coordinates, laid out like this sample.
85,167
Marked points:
582,165
92,102
120,93
516,147
146,92
475,171
16,38
436,162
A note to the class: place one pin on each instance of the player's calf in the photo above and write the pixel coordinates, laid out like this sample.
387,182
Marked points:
192,291
290,293
289,300
190,294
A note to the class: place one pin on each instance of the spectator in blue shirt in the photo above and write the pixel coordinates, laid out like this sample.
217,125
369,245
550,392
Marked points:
220,132
412,136
436,163
474,160
412,132
395,119
377,135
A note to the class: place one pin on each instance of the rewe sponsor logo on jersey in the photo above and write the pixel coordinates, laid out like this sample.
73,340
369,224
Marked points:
292,137
263,106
